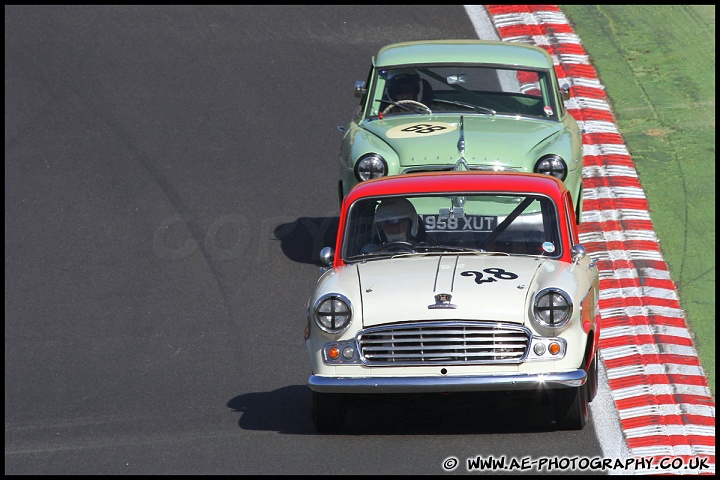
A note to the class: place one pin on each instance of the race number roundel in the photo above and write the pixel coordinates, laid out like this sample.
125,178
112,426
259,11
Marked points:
420,129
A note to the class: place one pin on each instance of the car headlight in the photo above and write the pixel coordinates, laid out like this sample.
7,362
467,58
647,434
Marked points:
552,165
552,308
333,313
369,166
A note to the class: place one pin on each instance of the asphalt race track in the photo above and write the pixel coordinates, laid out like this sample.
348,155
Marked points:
170,177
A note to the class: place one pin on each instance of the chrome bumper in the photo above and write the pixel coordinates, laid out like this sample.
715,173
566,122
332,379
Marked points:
484,383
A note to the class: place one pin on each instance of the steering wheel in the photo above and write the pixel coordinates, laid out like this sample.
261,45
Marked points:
407,102
398,245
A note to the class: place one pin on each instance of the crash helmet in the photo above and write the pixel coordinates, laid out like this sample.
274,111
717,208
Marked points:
394,210
403,82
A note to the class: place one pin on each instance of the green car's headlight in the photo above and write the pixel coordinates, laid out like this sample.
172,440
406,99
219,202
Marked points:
552,165
333,313
552,308
369,166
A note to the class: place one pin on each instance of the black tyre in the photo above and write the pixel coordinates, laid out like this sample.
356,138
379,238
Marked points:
578,213
340,193
328,412
592,379
571,407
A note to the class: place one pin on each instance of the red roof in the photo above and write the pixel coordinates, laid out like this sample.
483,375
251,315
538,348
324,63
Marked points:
457,183
453,182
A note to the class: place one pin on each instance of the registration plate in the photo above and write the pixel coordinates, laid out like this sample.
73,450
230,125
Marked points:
469,223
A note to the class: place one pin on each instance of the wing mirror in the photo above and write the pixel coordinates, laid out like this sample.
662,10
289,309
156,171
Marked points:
577,252
360,89
326,256
565,91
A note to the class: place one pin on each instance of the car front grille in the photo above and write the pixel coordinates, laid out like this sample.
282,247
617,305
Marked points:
444,343
450,168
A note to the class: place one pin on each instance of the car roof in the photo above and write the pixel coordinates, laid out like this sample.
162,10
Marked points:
459,182
463,51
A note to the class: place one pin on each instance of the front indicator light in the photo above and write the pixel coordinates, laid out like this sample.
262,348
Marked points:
341,353
546,349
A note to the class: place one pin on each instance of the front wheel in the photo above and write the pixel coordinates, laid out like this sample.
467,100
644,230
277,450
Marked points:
341,196
328,412
592,379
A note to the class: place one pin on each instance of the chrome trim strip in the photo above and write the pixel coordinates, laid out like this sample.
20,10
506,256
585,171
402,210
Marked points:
440,384
450,168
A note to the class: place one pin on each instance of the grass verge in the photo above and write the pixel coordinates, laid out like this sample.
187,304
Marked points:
657,64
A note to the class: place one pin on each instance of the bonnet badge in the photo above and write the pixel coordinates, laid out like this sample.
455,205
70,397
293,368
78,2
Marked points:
442,300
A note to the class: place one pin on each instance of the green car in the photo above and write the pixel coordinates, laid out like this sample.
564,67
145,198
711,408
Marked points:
443,105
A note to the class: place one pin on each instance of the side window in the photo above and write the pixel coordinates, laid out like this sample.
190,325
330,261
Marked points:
529,83
570,214
359,227
561,99
365,105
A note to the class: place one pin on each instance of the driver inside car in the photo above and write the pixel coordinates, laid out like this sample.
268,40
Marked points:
404,86
407,86
397,227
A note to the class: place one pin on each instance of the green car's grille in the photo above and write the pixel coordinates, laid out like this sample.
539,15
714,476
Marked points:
449,168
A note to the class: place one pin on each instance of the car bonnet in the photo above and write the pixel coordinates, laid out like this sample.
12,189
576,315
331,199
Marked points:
468,287
431,140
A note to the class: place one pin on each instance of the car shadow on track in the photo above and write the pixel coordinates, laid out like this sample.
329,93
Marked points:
302,240
288,410
285,410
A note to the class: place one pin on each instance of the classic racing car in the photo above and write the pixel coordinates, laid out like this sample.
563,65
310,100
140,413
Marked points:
461,104
455,282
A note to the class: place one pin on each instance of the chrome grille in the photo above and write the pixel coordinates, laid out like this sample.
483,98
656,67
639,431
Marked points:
450,168
444,343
